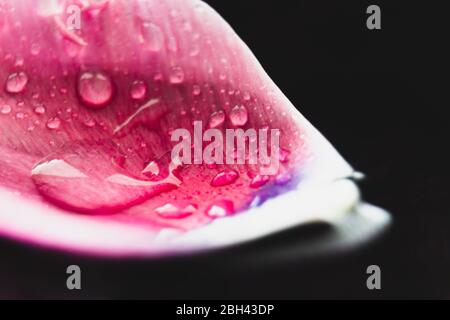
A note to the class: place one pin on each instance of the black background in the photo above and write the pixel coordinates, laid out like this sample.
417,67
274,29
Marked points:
381,98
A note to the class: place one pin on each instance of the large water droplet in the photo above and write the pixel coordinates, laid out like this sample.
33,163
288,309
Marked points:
16,82
19,62
82,178
138,90
220,209
239,116
95,89
176,75
216,119
224,178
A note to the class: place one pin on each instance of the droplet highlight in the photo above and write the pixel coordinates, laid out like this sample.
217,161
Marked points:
176,75
224,178
53,123
239,115
171,211
138,90
258,181
39,110
16,82
95,89
216,119
5,109
220,209
82,178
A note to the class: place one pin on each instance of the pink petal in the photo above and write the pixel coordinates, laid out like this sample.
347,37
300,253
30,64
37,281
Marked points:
83,113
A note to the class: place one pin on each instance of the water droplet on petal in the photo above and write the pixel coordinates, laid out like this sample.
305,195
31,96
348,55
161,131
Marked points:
39,109
258,181
216,119
239,116
53,123
95,89
166,209
20,115
16,82
89,122
157,76
196,90
19,62
83,178
190,208
176,75
220,209
5,109
138,90
224,178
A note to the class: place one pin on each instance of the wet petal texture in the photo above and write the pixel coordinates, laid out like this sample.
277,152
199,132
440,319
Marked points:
93,90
